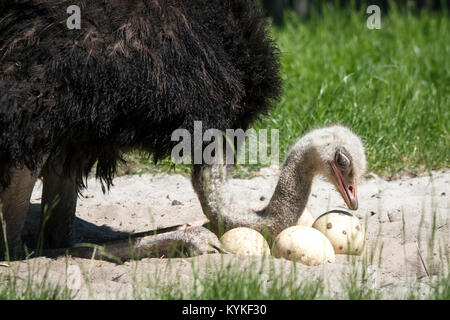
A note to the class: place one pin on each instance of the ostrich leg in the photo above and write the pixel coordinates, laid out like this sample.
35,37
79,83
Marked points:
59,201
189,238
15,201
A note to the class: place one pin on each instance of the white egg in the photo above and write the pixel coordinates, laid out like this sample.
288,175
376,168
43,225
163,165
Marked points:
345,231
245,241
303,244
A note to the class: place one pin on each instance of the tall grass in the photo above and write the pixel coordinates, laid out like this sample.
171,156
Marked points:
391,86
13,286
257,280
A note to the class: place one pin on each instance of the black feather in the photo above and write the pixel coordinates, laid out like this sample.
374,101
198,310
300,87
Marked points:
135,71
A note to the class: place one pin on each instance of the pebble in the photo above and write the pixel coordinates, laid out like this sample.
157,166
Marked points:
177,203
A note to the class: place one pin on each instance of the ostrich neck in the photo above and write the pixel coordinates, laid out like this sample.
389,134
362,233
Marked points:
285,207
292,191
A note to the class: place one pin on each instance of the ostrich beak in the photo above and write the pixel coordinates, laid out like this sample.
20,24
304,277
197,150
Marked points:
347,190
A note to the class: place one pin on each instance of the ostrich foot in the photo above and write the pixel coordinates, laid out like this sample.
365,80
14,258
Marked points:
201,241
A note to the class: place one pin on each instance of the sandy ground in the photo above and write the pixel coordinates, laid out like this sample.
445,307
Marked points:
146,202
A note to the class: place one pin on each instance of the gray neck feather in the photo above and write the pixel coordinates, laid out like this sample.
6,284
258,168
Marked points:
285,207
292,191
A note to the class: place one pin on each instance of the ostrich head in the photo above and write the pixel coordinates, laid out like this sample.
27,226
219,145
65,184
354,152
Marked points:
340,158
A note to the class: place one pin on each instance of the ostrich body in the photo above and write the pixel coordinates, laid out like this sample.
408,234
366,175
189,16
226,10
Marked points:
334,152
134,72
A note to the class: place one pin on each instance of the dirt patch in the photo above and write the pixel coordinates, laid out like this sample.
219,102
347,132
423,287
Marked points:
400,217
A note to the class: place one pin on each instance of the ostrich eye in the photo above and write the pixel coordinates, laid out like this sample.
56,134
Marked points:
342,159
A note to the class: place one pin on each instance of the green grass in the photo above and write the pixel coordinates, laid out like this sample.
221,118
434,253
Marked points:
233,281
391,86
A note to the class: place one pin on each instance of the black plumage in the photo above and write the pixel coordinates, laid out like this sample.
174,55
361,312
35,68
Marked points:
135,71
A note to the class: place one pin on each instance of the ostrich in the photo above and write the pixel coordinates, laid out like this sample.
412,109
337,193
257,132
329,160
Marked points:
335,152
133,73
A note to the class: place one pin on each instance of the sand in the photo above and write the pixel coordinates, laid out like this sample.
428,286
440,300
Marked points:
398,215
